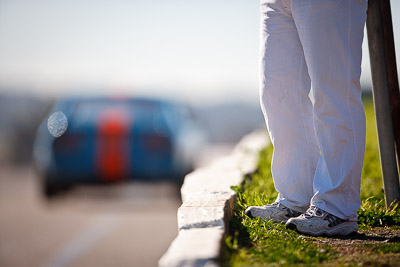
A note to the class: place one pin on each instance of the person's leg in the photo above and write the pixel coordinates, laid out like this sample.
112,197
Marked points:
331,32
287,108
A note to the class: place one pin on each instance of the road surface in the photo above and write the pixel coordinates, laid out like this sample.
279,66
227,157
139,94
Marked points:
122,225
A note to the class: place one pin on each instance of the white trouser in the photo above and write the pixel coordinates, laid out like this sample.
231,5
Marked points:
318,148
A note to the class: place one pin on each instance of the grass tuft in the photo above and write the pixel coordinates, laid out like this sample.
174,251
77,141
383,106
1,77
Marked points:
374,213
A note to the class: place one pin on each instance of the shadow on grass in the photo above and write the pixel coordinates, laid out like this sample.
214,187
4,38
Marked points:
237,230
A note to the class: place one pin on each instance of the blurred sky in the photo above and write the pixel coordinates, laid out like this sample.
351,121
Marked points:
201,51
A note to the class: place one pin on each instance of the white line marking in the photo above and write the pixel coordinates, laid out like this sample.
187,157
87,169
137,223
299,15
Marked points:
82,242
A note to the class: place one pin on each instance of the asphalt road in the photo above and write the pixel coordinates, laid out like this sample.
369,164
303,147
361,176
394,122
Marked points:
123,225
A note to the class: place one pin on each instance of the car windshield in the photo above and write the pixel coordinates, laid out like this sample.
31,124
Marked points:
137,109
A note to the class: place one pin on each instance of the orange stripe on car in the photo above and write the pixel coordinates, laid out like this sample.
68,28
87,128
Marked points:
113,145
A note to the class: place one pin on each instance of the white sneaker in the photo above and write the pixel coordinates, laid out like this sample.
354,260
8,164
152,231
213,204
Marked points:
275,212
317,222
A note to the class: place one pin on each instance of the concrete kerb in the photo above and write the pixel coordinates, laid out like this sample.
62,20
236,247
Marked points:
208,199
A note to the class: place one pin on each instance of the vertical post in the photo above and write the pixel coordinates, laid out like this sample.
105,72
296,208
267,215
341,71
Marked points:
385,92
393,81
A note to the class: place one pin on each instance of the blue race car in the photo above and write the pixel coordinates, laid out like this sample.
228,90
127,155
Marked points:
110,140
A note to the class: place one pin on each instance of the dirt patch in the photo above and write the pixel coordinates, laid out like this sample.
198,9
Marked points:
379,246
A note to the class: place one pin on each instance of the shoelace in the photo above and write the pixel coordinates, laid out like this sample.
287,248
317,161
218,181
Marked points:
314,212
274,204
317,212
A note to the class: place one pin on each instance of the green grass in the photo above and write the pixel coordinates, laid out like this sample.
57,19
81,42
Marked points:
371,179
374,213
256,242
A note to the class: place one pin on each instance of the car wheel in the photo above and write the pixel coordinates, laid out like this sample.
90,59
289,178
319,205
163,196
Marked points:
50,189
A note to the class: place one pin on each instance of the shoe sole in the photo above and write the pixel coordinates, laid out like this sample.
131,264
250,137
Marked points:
343,230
